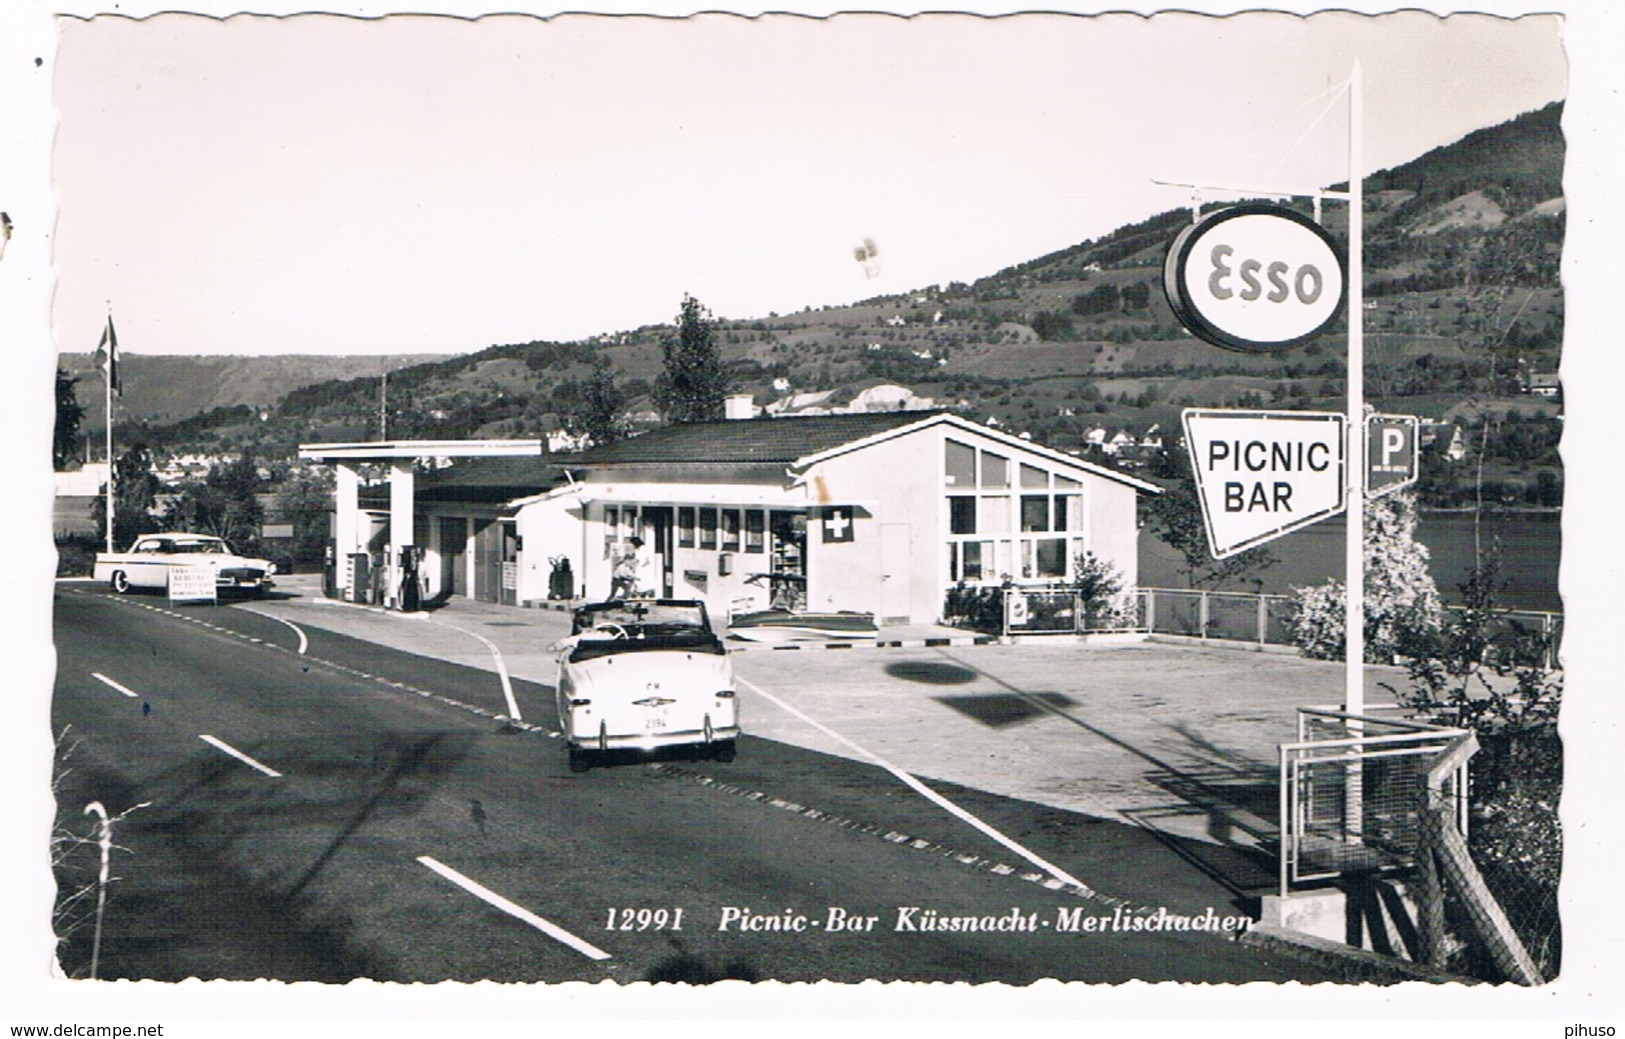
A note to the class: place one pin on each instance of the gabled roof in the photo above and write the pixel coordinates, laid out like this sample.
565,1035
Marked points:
798,442
758,441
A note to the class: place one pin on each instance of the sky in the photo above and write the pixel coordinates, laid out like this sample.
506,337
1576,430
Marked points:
321,184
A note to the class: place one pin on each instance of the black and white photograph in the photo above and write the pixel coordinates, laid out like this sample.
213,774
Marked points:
662,510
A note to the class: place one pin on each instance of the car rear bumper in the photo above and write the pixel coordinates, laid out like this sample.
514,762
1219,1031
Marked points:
653,740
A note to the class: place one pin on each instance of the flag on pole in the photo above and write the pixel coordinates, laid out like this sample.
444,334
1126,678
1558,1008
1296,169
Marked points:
107,357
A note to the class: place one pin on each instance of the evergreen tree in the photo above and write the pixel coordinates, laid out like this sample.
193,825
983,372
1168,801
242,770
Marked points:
693,384
600,414
65,444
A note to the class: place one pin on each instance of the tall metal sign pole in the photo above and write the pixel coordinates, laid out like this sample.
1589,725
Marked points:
1258,277
1354,546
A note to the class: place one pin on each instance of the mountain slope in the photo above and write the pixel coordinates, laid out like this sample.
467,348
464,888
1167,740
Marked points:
1462,248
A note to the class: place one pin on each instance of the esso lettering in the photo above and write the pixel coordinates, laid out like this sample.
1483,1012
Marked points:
1251,279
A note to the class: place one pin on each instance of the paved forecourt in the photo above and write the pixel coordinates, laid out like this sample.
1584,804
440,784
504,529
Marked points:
1130,731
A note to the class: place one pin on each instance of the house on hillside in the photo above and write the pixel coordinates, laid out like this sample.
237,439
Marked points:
1444,438
1118,441
1544,384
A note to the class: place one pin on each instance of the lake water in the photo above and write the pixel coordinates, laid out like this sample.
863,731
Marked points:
1531,546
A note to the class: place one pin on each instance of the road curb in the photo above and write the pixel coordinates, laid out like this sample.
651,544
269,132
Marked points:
1359,964
926,643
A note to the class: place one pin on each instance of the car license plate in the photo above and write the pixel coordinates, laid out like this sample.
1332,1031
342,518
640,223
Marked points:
655,722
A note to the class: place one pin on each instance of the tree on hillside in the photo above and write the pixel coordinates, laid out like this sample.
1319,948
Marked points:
223,503
1175,516
65,444
135,493
600,414
1102,299
693,384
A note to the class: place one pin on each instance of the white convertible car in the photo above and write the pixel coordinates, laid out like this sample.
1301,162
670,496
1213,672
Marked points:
149,560
642,674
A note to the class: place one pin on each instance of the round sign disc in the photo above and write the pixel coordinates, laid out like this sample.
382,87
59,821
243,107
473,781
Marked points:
1256,277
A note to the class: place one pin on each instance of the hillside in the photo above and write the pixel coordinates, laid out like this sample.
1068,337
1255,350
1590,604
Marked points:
1464,303
162,389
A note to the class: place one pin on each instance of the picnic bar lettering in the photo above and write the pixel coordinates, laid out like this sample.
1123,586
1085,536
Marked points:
1259,456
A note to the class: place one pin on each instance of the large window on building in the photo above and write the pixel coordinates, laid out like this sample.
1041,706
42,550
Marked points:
708,528
685,527
1030,531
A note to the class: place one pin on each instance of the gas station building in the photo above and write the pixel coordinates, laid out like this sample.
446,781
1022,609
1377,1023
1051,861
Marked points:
878,513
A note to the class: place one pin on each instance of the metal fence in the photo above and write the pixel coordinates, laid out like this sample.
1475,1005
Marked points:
1237,616
1517,636
1352,793
1363,795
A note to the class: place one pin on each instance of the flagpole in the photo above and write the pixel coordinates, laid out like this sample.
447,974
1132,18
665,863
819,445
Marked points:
107,389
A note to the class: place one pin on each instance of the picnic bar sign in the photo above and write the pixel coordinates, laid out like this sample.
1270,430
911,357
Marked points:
1255,277
1261,474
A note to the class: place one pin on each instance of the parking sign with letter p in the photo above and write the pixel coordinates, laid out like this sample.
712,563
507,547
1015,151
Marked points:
1391,453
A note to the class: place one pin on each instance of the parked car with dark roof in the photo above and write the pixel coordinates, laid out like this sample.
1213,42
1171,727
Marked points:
643,674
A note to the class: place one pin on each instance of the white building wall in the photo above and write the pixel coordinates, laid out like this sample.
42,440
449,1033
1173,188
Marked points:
902,483
549,529
1113,534
895,482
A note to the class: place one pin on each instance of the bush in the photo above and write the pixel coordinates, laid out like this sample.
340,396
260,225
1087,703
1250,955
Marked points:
1096,584
980,608
1401,601
1099,587
76,554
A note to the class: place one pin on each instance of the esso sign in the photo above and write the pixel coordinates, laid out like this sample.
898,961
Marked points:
1255,277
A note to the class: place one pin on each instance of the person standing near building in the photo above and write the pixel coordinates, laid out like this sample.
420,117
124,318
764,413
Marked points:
629,567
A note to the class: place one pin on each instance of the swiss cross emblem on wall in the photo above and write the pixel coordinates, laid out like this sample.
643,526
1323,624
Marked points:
837,525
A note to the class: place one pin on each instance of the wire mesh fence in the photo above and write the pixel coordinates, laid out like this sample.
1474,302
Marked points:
1370,794
1351,793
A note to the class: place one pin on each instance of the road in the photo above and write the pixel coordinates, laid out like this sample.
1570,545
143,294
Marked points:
292,803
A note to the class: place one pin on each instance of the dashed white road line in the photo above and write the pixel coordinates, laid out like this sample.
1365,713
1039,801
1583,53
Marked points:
240,756
515,910
927,793
103,678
